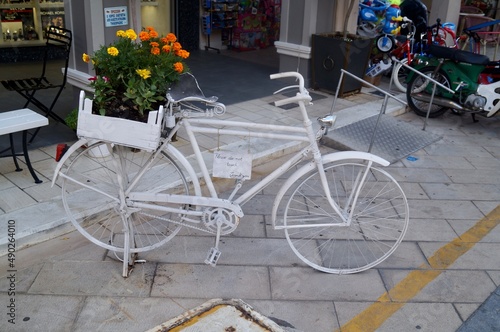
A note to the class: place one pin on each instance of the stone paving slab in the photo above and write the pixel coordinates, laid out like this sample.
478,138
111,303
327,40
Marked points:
309,284
42,312
449,287
129,314
203,281
320,314
485,319
430,230
452,209
93,278
483,256
235,251
406,256
423,317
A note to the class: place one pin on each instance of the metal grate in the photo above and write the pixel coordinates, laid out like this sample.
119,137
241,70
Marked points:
393,140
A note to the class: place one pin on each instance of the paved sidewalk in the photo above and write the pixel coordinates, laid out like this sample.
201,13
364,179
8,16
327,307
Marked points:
443,277
69,284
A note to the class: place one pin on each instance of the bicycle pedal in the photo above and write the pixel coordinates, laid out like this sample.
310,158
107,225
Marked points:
213,256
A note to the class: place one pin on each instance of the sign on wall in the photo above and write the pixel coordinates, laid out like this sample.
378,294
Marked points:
115,16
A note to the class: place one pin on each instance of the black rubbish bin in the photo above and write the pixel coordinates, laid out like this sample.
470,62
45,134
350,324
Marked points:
331,53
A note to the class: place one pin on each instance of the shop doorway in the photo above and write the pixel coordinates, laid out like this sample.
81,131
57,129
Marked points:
245,29
178,16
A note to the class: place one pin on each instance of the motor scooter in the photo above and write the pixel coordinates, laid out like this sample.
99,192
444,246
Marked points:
473,79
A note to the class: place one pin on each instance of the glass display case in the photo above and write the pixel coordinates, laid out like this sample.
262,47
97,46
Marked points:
23,22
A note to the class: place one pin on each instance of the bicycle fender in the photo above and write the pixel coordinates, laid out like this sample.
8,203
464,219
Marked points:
187,166
336,156
81,142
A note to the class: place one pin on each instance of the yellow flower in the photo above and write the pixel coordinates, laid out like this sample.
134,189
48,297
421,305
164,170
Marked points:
121,33
113,51
144,73
131,34
86,57
178,67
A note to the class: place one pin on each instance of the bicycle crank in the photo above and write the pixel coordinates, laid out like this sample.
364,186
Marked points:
219,221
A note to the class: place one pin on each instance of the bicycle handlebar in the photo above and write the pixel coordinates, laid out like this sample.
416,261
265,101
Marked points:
302,95
291,74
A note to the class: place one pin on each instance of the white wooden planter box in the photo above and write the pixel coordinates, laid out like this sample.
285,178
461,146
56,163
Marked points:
145,136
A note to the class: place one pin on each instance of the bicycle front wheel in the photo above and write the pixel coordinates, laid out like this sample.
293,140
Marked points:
94,196
399,75
369,198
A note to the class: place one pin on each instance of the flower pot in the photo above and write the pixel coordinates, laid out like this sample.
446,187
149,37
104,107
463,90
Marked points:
140,135
331,53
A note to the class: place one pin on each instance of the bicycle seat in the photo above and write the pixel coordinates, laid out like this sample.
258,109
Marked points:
187,89
458,55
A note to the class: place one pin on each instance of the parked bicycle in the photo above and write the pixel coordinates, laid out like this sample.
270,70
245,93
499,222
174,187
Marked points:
437,34
341,212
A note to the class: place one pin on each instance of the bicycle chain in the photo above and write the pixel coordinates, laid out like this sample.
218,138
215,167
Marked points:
202,229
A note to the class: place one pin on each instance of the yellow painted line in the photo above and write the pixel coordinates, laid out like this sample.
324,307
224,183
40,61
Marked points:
376,314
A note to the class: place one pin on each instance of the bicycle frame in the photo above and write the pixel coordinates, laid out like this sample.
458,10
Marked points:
304,134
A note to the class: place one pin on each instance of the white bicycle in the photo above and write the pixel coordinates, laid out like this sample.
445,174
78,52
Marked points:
341,212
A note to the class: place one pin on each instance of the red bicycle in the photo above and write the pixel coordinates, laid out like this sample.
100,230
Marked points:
439,34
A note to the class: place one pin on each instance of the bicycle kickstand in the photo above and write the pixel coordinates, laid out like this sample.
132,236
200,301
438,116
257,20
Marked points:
214,252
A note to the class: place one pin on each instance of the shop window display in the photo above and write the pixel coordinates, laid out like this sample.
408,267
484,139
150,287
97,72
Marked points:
244,24
24,21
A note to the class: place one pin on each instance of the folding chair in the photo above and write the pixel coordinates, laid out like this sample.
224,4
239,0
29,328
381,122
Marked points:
59,41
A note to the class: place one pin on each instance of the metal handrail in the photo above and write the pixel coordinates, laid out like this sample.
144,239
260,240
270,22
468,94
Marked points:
387,95
436,83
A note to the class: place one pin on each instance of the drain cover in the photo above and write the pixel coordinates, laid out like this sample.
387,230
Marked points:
218,316
393,139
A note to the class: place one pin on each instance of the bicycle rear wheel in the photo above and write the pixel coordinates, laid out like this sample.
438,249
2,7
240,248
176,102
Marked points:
317,234
93,195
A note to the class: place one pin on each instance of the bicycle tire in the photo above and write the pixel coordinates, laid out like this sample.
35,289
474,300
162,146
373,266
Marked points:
379,221
419,84
399,75
384,43
91,197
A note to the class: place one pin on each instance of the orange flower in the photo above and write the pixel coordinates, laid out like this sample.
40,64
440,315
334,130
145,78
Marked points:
177,46
144,36
178,67
154,44
150,28
166,48
182,53
155,50
153,34
171,37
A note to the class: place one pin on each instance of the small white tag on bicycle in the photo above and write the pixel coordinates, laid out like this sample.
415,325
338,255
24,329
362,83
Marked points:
232,165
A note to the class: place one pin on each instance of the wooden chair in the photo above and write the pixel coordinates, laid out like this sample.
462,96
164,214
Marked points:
58,43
